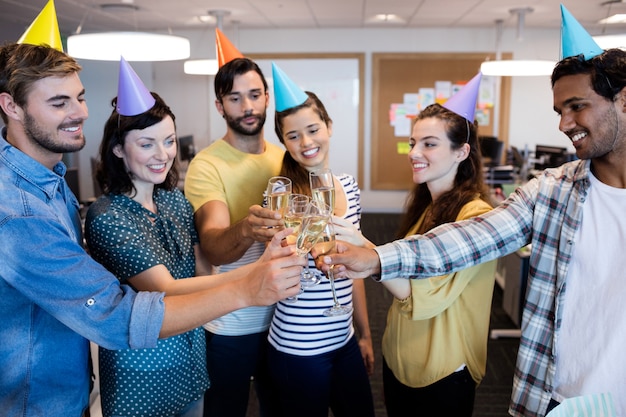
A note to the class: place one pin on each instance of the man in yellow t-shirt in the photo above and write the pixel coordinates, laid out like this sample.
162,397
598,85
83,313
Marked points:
225,184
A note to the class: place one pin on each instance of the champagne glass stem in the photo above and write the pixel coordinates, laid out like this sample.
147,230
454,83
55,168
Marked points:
307,271
337,309
331,278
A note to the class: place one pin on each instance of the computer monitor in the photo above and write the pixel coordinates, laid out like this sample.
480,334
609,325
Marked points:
186,148
550,156
517,159
491,150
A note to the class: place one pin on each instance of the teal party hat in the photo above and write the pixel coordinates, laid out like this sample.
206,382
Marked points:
574,38
464,101
286,93
133,97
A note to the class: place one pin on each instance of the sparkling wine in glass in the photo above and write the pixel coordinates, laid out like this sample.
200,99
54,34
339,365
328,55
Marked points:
278,192
317,216
325,245
323,187
296,208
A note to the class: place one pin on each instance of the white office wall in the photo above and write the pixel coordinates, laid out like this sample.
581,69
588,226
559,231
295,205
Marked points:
532,120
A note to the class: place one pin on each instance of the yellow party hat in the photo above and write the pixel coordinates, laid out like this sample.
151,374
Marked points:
45,29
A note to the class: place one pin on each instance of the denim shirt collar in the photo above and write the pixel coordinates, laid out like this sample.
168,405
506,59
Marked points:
31,170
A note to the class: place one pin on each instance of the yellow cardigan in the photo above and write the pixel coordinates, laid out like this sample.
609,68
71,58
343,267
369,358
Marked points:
444,323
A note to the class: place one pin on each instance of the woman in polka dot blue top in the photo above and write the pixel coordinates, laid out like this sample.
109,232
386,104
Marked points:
142,230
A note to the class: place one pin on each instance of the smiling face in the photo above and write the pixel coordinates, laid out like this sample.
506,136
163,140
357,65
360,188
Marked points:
432,158
307,138
53,117
591,121
149,153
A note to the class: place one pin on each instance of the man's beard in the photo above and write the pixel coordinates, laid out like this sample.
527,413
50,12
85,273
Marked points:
239,127
46,141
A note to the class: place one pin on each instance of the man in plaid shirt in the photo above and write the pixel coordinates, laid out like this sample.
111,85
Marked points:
573,325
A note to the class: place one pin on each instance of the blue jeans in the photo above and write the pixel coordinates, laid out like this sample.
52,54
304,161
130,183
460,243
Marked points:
307,386
231,362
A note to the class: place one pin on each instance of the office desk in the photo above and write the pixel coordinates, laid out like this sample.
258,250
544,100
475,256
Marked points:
512,276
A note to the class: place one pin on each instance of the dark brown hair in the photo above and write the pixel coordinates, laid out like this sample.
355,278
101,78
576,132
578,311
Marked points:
111,173
291,168
468,182
607,71
225,77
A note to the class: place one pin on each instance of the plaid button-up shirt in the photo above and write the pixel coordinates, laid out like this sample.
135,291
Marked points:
545,212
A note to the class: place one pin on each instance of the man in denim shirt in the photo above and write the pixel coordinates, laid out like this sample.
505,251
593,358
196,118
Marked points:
574,321
53,297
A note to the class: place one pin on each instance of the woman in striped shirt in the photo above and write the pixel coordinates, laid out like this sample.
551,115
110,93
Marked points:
318,362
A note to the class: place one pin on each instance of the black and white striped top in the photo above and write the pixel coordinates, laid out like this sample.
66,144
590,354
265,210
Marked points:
300,328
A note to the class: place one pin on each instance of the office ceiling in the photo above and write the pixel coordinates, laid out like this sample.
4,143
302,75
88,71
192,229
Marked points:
172,15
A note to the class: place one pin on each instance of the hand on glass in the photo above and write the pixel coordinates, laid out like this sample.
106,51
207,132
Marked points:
261,224
346,231
277,246
349,261
276,275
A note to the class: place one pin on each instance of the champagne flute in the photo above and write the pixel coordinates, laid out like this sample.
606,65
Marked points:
324,246
296,208
316,217
278,191
323,187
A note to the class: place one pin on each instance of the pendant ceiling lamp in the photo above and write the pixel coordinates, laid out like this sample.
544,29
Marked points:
207,66
133,46
515,67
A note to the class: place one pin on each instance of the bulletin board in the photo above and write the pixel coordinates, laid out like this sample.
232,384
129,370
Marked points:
395,75
338,80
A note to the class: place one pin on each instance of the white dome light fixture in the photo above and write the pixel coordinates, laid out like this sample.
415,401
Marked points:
515,68
201,67
133,46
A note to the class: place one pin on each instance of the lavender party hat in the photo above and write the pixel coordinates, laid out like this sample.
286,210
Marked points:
463,103
133,97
